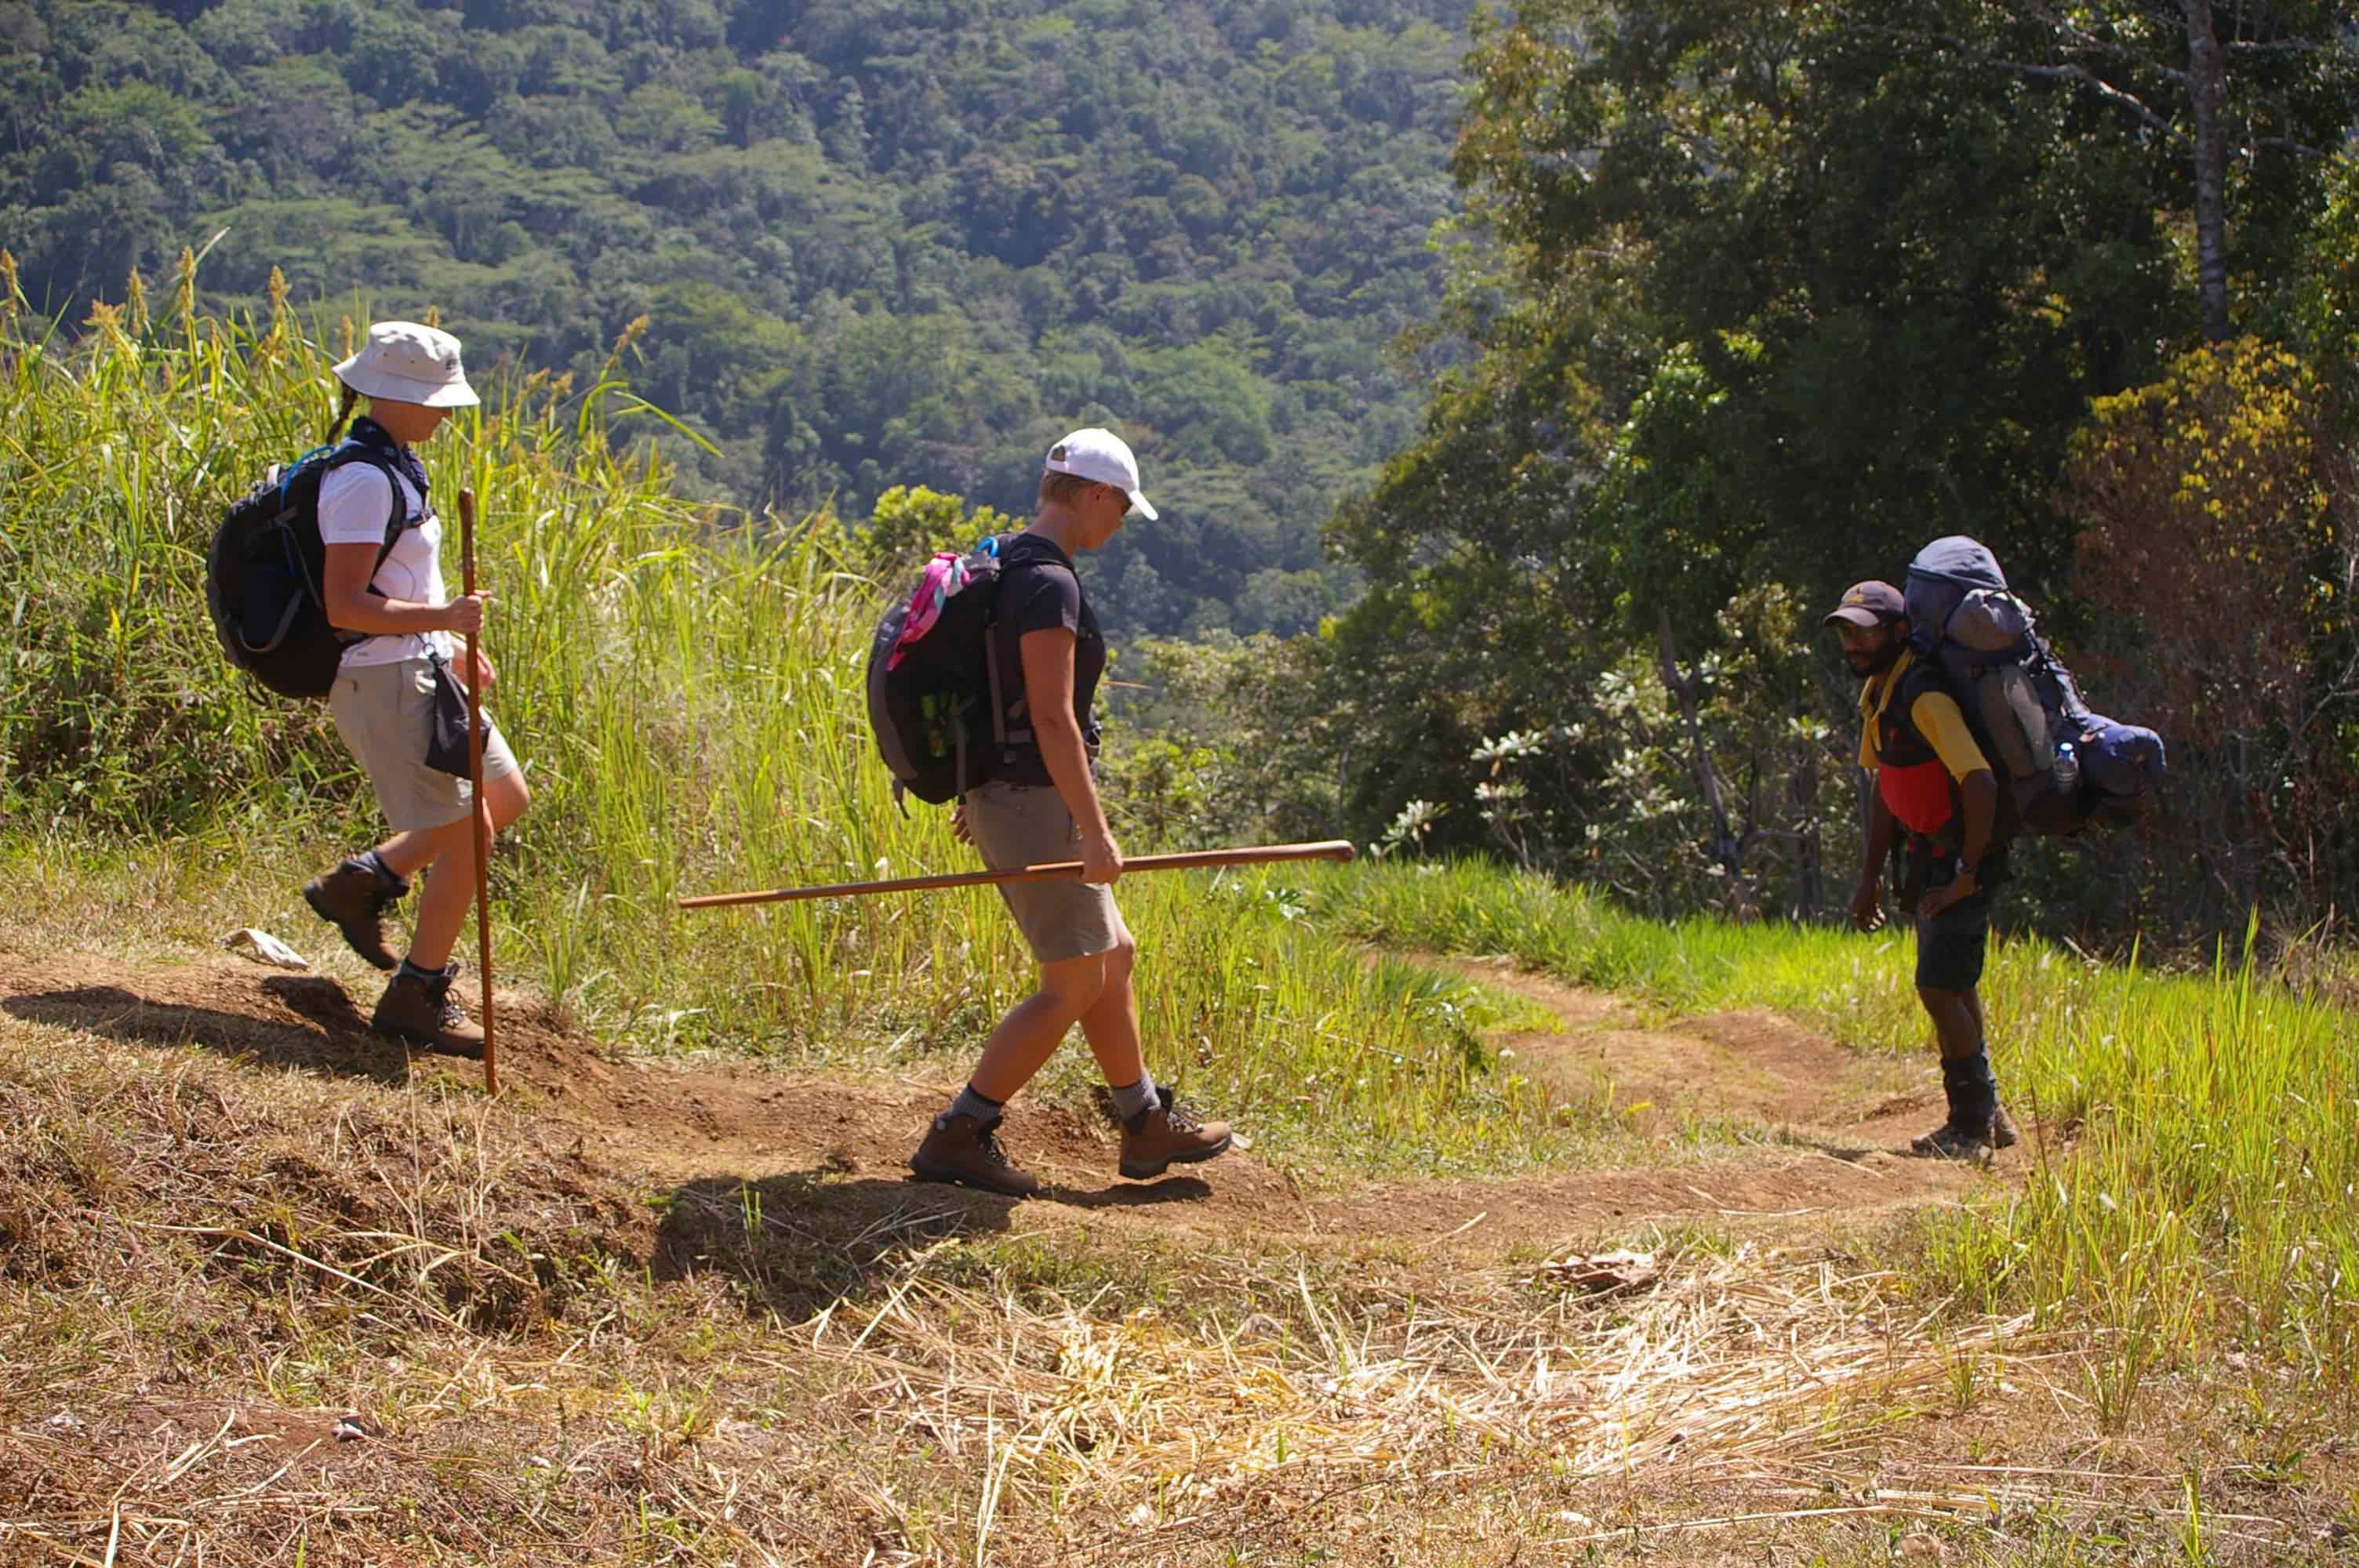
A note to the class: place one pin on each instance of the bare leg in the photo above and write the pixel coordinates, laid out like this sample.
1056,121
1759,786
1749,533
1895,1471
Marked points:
1111,1025
1034,1027
405,854
450,865
449,890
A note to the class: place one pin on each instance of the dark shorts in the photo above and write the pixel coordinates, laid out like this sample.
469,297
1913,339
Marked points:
1950,945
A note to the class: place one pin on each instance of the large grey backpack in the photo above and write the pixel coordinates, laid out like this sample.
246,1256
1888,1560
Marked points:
2020,700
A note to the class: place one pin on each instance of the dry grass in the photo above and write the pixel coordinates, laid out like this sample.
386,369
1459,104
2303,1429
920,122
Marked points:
206,1265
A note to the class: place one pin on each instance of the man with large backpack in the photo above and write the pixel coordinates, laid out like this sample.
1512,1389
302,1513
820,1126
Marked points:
1935,787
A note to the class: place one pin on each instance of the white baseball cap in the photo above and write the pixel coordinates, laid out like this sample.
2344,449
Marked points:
1102,456
408,363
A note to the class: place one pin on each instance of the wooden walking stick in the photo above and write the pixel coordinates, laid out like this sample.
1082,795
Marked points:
475,788
1331,849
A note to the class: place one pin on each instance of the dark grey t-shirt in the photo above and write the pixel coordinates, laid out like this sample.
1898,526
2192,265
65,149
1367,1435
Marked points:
1038,591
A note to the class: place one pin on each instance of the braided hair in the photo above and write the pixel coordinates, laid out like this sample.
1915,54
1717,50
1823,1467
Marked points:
343,417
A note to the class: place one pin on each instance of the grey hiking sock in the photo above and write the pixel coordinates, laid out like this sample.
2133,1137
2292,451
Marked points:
384,873
1132,1099
983,1108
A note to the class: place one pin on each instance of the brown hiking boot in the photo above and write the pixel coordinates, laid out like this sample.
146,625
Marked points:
1167,1134
423,1013
354,900
962,1150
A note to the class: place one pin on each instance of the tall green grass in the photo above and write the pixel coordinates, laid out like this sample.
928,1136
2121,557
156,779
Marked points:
685,688
2196,1179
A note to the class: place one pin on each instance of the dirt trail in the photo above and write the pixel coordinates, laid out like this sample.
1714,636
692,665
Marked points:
1838,1118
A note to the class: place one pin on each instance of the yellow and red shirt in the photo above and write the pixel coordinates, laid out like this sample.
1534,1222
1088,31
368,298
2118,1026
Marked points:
1917,746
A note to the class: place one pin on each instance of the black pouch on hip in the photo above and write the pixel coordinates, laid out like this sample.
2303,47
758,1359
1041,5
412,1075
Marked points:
446,723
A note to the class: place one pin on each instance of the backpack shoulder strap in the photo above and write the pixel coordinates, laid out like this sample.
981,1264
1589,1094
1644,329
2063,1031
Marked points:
397,516
396,521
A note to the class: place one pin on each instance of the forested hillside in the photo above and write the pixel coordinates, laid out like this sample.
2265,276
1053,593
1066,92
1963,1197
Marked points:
879,241
1777,294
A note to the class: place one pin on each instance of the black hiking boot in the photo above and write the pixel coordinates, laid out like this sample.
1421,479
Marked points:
1167,1134
1977,1126
1951,1142
1962,1138
419,1010
962,1150
354,898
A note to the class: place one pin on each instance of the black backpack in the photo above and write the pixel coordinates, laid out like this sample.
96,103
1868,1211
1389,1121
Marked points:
934,676
2021,703
263,573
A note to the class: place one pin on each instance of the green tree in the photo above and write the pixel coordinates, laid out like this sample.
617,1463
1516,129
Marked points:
1760,298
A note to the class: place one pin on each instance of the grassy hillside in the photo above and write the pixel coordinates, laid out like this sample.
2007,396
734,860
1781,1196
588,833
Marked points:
689,709
2197,1167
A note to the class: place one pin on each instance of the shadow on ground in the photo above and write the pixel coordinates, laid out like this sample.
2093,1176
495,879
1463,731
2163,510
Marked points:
337,1042
795,1242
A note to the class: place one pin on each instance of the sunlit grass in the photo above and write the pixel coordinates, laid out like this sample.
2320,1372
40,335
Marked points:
2196,1181
685,689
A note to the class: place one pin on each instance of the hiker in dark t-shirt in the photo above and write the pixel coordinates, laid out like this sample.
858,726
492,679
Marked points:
1039,593
1042,806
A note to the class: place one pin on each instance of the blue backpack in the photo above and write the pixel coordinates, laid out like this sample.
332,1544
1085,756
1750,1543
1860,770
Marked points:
2060,765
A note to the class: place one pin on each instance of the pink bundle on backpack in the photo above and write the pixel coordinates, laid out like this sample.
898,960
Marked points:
944,576
933,678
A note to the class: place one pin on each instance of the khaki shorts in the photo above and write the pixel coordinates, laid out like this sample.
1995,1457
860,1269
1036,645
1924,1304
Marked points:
382,712
1024,825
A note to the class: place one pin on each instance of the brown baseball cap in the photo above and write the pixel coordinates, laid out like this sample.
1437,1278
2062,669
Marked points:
1868,604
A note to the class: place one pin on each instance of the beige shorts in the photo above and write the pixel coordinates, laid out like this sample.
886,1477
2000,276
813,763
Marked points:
1024,825
382,712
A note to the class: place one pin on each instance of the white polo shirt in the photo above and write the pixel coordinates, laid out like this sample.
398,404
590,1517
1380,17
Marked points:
355,505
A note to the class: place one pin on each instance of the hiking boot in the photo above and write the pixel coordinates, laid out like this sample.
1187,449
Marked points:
1165,1134
353,898
419,1010
961,1149
1953,1140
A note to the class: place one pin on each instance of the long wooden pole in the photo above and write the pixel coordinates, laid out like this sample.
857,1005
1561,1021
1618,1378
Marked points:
1331,849
481,807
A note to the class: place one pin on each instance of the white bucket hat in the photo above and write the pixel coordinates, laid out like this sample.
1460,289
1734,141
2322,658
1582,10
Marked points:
1102,456
409,363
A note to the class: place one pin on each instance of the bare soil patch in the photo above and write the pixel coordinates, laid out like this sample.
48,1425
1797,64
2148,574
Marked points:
711,1130
1752,1066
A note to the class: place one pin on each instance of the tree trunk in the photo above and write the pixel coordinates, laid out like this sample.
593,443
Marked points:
1803,793
2206,90
1682,688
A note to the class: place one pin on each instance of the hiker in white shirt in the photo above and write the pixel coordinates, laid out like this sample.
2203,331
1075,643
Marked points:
388,681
